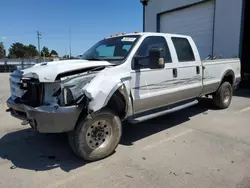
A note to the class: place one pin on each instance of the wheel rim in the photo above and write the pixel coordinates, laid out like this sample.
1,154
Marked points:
226,95
99,134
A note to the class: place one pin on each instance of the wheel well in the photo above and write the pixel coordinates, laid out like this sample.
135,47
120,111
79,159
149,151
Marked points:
117,103
228,77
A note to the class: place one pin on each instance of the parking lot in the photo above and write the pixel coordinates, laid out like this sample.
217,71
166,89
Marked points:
197,147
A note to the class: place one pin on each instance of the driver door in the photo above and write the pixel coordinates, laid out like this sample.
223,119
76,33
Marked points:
153,88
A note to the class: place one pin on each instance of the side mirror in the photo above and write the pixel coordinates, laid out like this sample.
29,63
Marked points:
137,62
156,58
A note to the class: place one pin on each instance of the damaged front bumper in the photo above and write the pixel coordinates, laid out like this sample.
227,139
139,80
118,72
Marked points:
47,119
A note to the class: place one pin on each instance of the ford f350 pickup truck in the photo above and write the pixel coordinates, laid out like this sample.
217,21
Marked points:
132,77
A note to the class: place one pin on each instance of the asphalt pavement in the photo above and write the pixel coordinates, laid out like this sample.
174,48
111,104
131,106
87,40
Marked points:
198,147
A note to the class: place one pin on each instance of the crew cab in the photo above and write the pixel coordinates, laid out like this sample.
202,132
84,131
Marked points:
133,77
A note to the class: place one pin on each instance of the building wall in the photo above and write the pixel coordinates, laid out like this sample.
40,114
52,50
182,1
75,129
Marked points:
227,26
156,6
227,30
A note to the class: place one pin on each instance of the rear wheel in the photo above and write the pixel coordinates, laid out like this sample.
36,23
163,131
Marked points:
96,137
223,96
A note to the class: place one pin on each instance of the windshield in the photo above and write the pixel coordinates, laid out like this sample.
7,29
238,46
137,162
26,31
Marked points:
112,49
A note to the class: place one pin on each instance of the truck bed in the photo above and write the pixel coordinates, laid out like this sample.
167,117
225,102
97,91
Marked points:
215,70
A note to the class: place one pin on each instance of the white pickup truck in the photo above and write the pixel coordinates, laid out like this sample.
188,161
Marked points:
132,77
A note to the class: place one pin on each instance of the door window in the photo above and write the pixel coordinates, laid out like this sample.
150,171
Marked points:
146,45
183,49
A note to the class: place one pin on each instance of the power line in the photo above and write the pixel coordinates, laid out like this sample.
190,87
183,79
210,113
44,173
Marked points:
39,36
55,38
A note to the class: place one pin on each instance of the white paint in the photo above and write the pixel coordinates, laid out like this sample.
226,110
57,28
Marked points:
215,70
128,39
245,109
102,86
47,72
156,144
105,83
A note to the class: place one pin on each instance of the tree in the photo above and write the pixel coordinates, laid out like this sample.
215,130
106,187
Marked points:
31,51
2,50
66,57
17,50
53,53
45,52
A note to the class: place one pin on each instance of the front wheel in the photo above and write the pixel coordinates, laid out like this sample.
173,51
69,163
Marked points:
223,96
97,137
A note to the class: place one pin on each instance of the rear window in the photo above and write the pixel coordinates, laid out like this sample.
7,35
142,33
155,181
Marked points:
183,49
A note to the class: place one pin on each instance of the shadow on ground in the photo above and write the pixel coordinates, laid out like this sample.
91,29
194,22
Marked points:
244,92
135,132
28,149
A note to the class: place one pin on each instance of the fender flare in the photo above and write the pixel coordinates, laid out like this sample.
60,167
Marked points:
228,72
111,93
121,88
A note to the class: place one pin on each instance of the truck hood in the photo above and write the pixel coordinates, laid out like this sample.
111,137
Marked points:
48,71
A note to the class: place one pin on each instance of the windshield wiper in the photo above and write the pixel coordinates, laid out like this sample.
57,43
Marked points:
94,59
100,67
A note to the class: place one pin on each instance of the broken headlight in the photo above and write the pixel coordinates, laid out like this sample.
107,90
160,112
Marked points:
68,97
72,88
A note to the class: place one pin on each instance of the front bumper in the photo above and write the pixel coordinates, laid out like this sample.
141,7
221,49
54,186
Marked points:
47,119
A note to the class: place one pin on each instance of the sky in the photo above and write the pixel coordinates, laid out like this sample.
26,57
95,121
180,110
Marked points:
88,21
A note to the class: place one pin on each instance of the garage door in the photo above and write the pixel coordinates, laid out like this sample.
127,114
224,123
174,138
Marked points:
196,21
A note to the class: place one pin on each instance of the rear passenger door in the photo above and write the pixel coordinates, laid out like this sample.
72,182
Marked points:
189,68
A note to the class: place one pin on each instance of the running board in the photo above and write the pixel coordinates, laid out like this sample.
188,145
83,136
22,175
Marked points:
163,112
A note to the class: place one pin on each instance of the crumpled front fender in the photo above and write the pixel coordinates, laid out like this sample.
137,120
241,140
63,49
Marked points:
99,91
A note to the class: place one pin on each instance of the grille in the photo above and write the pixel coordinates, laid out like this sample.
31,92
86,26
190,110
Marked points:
30,95
15,85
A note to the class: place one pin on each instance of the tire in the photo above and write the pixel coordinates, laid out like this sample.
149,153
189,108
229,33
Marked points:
96,137
223,96
72,143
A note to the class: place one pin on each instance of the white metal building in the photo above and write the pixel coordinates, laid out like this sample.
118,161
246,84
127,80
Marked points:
217,26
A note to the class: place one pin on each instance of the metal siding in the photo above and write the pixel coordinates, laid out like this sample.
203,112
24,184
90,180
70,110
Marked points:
227,22
156,6
196,21
227,28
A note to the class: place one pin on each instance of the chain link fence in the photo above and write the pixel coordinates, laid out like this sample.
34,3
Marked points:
10,65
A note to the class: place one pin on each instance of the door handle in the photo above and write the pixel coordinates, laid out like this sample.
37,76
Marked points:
197,70
175,73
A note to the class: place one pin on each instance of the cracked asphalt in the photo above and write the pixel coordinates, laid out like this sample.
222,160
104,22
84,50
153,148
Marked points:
196,147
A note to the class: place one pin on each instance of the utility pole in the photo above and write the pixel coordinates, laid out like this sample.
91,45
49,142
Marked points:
69,43
39,36
144,4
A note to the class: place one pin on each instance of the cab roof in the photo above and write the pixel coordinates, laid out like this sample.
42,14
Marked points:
149,34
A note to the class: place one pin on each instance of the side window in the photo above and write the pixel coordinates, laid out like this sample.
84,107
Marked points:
149,43
183,49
